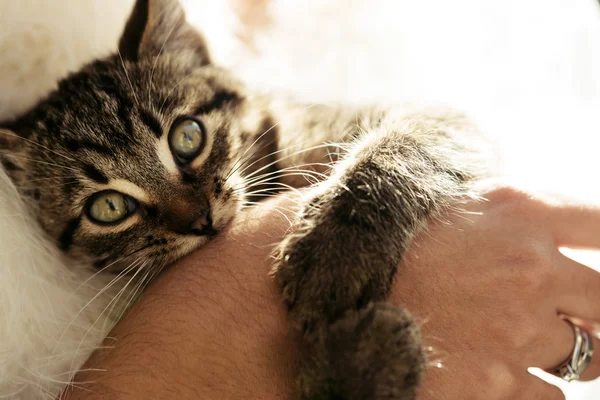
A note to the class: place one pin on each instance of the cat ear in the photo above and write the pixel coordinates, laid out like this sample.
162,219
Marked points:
158,27
11,153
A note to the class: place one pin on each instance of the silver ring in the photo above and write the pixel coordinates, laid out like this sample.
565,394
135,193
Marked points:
575,366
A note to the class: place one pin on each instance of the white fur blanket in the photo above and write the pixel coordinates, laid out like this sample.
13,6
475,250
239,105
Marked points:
529,71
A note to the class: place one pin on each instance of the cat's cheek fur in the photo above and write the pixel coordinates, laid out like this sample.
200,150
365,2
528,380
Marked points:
184,246
165,157
229,202
13,152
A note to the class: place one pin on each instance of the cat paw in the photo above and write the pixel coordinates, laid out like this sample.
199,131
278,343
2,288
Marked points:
334,261
370,354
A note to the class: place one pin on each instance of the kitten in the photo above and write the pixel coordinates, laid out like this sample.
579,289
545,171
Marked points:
147,154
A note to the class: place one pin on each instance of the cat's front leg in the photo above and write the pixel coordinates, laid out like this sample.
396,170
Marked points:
337,268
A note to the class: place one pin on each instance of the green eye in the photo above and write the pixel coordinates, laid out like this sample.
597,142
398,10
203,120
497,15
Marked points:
186,139
109,207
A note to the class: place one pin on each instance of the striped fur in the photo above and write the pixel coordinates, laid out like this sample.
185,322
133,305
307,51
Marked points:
379,174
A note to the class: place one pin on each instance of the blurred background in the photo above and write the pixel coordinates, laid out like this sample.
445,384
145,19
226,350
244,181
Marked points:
527,70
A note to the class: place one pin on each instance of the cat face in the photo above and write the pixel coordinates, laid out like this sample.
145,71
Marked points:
132,161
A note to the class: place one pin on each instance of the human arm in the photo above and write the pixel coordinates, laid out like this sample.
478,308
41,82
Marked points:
487,287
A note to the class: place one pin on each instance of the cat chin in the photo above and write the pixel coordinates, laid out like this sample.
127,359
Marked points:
223,222
189,244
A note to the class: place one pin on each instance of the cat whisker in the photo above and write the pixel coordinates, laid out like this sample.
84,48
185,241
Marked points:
29,382
292,169
249,157
246,167
336,153
124,273
114,299
253,163
269,192
97,295
279,184
47,178
272,190
286,157
315,172
275,172
108,266
241,161
67,381
128,79
173,89
272,186
50,396
44,147
266,193
312,177
256,141
245,157
250,147
141,285
29,186
276,208
38,161
160,52
131,293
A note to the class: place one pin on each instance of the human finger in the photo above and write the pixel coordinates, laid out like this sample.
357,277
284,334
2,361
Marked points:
551,344
575,225
577,288
536,389
565,351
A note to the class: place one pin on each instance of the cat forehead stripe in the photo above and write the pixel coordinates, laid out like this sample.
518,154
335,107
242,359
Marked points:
77,145
152,122
94,174
217,102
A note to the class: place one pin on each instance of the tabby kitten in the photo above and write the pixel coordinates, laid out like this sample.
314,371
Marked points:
147,154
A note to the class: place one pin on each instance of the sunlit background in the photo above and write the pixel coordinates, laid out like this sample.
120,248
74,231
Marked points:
527,70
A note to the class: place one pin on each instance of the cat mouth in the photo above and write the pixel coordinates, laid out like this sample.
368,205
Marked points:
207,231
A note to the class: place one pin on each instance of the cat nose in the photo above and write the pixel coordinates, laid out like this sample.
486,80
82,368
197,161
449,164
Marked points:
203,223
187,218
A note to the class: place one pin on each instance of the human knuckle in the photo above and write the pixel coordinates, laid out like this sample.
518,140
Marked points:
527,282
534,336
512,202
529,267
504,193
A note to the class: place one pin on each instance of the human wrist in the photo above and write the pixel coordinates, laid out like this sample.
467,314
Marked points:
212,326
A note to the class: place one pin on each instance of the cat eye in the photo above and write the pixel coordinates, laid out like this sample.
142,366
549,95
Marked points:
110,207
186,139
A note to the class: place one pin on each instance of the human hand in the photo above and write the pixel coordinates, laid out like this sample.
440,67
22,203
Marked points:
489,286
